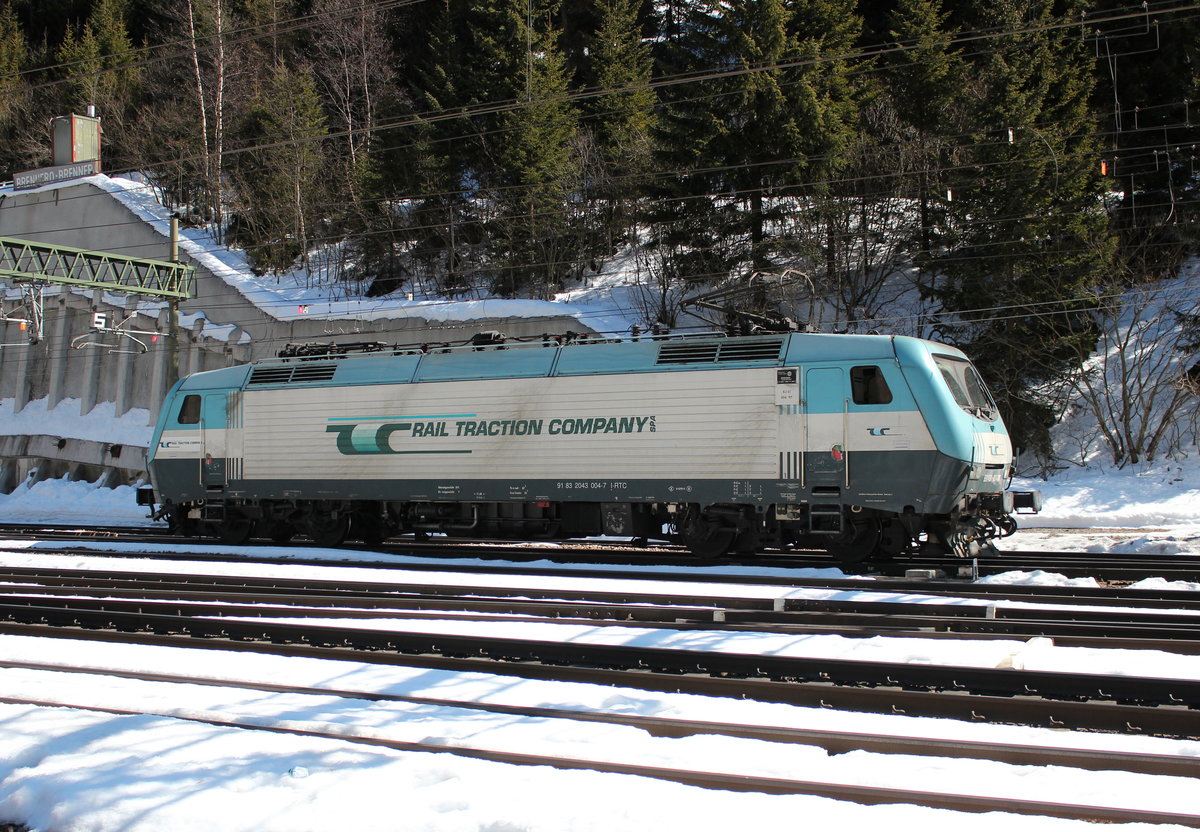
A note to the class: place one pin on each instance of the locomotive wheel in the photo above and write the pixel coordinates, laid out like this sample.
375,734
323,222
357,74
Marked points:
858,542
705,538
279,531
893,539
368,528
235,531
329,530
184,526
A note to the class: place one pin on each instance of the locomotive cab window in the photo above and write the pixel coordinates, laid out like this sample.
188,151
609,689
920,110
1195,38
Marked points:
868,386
189,411
967,387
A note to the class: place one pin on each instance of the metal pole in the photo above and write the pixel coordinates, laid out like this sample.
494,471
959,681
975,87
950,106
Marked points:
173,306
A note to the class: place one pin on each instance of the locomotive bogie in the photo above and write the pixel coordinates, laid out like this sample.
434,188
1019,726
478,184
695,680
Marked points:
850,443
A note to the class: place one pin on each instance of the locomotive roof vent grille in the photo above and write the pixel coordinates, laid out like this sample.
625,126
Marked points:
292,374
721,351
308,372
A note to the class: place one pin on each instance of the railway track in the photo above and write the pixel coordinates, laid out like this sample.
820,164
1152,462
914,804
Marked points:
984,593
406,617
1105,567
394,618
1057,614
834,742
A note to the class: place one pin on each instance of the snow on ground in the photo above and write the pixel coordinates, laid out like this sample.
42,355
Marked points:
64,419
64,769
1149,508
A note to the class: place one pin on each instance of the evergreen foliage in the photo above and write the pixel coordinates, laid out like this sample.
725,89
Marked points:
1148,85
534,176
621,122
276,175
14,54
1026,235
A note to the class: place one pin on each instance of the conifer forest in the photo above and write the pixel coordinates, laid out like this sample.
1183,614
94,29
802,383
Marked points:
1026,168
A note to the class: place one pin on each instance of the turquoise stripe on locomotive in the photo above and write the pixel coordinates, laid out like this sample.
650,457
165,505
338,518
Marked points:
867,446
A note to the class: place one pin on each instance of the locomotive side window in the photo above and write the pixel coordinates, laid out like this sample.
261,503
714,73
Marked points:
189,411
868,386
966,386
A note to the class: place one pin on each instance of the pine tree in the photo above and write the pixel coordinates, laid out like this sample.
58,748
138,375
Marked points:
1027,229
925,83
621,117
779,123
514,80
99,63
22,137
434,162
687,243
14,54
761,136
277,180
536,170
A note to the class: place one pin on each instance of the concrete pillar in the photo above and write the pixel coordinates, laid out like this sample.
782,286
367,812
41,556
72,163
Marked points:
10,476
24,363
123,386
91,368
195,357
39,471
160,368
236,352
123,391
58,348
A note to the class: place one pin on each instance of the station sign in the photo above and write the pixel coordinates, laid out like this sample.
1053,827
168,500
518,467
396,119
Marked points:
56,173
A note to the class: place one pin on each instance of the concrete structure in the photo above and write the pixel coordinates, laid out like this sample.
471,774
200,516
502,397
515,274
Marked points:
232,331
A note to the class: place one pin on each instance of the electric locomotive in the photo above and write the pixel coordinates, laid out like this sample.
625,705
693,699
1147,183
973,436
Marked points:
864,445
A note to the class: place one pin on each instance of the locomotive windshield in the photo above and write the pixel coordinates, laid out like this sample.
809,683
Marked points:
966,386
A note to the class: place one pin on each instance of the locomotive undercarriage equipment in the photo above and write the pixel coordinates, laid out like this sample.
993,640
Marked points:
857,535
716,530
968,534
851,534
706,534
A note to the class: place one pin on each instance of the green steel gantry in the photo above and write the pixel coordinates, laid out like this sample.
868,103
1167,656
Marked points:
35,265
24,261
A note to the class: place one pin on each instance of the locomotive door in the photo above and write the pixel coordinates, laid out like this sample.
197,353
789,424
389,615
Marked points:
827,411
213,422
